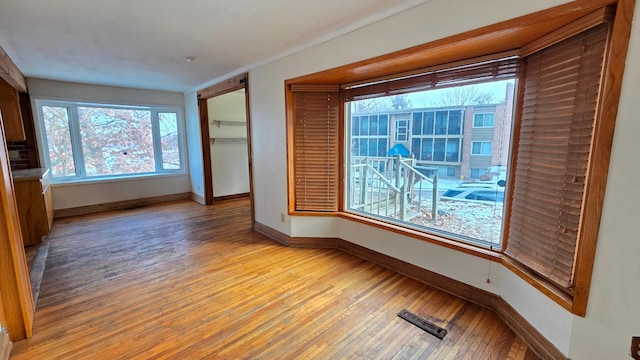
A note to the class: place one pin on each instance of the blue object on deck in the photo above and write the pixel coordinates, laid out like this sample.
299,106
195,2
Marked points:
399,149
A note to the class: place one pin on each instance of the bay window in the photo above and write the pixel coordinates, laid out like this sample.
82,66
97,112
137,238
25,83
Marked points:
519,182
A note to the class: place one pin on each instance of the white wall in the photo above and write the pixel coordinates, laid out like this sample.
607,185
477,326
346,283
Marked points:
230,167
229,155
613,313
611,317
84,194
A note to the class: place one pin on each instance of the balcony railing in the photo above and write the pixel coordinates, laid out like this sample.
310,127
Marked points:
392,187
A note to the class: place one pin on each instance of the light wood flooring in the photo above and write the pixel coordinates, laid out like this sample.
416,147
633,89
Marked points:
185,281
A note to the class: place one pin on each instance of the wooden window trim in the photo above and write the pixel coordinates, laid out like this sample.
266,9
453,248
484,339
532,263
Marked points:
528,34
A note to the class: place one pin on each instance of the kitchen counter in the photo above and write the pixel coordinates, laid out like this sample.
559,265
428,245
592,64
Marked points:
29,174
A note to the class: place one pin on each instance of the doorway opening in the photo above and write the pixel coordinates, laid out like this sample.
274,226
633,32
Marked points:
225,126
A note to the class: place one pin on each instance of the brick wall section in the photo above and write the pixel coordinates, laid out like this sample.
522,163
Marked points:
465,167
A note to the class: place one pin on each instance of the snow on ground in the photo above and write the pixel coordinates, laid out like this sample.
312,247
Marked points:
469,218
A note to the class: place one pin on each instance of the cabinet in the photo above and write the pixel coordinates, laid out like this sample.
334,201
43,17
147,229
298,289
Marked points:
35,203
10,112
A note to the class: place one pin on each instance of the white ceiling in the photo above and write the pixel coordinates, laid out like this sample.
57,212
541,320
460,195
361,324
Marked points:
144,43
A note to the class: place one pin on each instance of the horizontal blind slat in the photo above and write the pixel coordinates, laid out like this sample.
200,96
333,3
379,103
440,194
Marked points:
561,85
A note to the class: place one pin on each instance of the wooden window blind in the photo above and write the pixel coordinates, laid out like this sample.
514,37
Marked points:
471,72
316,147
561,91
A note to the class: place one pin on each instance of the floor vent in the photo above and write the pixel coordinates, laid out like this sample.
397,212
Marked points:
423,324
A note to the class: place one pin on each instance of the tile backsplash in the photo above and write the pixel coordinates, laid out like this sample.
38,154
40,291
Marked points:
23,158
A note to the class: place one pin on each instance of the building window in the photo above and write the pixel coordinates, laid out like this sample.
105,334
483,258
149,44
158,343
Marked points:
483,120
402,129
436,135
370,135
90,141
481,148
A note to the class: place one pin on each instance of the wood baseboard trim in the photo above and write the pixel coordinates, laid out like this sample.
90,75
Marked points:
272,233
454,287
119,205
529,334
231,197
317,243
5,344
197,198
534,339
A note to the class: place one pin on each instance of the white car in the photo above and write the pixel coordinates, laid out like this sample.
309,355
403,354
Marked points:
475,192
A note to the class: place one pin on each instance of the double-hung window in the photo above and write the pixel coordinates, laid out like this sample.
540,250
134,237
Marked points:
94,141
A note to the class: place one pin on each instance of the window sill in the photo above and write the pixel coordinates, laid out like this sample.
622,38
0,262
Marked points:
103,180
434,239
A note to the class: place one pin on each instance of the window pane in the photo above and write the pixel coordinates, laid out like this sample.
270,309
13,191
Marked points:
373,125
373,148
455,121
355,125
477,120
383,121
168,124
486,148
427,149
116,141
382,147
415,148
417,123
453,146
428,123
441,122
364,125
56,122
488,120
438,150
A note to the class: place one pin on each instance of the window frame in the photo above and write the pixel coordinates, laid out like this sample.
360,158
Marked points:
526,34
484,114
405,132
76,140
482,148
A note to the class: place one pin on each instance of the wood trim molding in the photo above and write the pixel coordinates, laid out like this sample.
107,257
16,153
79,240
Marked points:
197,198
272,233
234,83
504,36
5,344
231,197
534,339
529,334
611,88
203,111
586,22
247,105
10,72
119,205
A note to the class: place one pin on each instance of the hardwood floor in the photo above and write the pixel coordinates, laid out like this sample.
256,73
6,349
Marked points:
184,281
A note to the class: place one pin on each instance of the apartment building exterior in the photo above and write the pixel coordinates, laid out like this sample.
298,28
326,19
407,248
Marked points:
466,142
